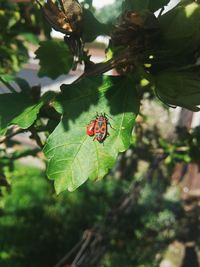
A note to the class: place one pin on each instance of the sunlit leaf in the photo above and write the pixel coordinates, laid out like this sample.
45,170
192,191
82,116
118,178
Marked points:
73,155
181,29
19,109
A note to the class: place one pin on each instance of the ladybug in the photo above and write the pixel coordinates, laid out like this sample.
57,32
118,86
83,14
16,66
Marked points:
90,128
101,127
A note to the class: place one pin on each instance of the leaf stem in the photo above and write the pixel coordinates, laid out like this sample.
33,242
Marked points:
100,68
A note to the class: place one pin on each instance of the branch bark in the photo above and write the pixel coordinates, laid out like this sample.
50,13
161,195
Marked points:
16,130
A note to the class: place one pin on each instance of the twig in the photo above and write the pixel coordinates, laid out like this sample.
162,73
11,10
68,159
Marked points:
35,136
3,181
124,58
87,236
63,260
29,152
162,151
10,87
16,131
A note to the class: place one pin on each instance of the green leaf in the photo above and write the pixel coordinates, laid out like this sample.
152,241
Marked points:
93,28
73,155
180,29
55,59
154,5
141,5
19,109
179,88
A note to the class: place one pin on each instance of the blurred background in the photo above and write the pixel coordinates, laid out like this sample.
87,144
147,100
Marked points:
144,213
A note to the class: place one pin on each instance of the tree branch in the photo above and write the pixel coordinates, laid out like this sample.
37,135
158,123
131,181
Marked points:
16,130
35,136
123,59
10,87
66,257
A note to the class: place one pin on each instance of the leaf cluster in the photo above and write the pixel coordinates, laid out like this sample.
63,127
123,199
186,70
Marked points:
20,25
149,53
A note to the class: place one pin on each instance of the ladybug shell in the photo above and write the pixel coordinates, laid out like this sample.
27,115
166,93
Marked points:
100,129
90,128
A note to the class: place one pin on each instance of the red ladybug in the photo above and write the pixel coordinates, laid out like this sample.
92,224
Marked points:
90,128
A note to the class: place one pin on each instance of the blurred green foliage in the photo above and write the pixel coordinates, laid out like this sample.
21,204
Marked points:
37,227
20,24
103,14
